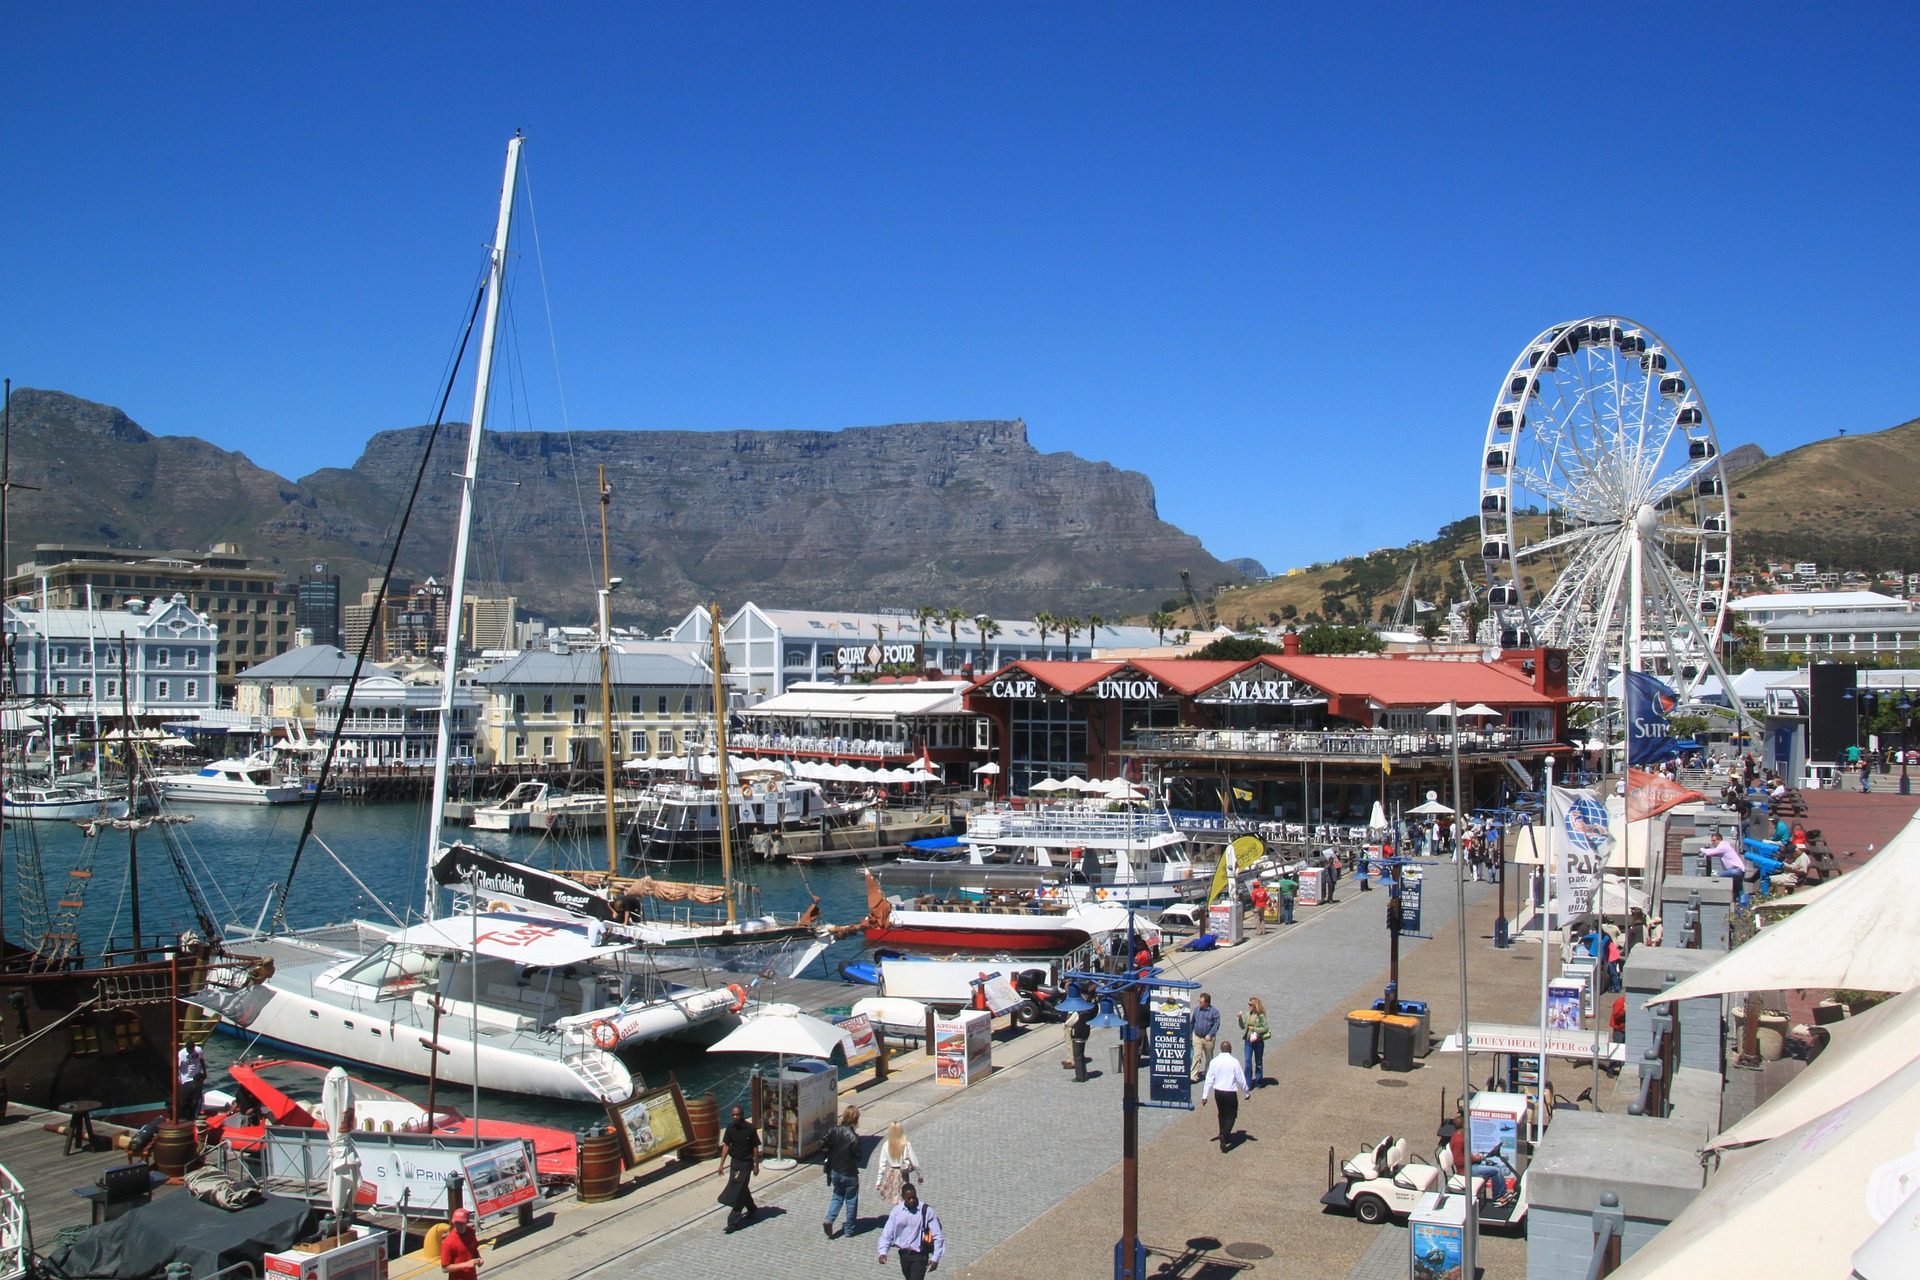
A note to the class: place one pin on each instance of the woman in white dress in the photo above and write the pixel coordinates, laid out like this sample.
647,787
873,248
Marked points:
895,1164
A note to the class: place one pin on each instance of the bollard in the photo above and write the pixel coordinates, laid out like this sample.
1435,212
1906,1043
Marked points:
1609,1226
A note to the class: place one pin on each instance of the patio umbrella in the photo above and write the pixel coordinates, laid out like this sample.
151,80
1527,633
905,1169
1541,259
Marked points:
1377,820
1432,806
1861,936
782,1030
1801,1203
1047,786
1073,782
343,1161
1865,1050
989,768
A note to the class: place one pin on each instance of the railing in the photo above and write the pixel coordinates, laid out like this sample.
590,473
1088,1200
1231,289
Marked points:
1066,825
1609,1232
801,744
1656,1071
1296,742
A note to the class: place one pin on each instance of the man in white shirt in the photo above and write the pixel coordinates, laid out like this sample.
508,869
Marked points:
1225,1084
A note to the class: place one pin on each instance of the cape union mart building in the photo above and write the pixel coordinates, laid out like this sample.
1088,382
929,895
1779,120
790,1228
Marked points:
1287,737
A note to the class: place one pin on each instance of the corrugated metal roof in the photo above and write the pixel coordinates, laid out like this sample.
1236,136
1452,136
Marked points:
863,702
663,666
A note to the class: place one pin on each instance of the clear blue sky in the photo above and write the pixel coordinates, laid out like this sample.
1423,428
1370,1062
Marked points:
1276,257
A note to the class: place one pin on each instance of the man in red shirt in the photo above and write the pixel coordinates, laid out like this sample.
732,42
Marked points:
460,1248
1260,898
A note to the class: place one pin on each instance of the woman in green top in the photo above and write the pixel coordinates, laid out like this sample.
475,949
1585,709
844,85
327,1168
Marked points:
1254,1030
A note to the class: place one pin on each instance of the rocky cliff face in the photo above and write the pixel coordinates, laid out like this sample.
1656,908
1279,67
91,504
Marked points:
963,514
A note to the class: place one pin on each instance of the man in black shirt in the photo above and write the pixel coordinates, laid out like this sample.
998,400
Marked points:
843,1171
741,1142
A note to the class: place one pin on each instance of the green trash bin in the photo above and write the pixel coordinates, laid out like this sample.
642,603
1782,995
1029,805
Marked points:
1397,1042
1363,1037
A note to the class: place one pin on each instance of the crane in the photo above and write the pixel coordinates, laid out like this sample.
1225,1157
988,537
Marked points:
1460,612
1202,610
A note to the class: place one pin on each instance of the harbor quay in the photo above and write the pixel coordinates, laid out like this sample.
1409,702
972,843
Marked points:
1022,1168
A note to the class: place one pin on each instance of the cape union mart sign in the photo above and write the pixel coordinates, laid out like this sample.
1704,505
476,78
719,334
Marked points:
1280,690
877,656
1113,688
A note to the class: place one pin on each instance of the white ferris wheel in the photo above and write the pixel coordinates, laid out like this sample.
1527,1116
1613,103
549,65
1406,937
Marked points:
1604,520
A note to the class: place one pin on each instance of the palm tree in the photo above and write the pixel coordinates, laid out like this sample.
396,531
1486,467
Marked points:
1068,625
988,629
1044,623
1160,622
953,618
1094,623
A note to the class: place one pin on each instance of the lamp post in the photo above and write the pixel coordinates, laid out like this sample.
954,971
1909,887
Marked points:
1905,708
1128,990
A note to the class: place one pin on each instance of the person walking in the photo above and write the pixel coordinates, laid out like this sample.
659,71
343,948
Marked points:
1259,897
1079,1031
1255,1031
843,1172
1225,1084
741,1142
460,1248
913,1229
1290,889
895,1165
1206,1029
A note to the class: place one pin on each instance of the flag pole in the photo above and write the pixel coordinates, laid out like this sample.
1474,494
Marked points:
1546,930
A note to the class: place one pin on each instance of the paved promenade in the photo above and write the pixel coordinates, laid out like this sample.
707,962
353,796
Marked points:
1023,1168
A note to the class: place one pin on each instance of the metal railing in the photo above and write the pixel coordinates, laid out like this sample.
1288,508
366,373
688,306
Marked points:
1336,743
1657,1068
1067,825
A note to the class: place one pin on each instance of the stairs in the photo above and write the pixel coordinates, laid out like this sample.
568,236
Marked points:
604,1075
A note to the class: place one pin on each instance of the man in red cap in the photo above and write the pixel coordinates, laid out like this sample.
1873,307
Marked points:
460,1249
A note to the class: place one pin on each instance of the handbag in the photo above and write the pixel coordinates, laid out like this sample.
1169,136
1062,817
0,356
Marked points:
926,1232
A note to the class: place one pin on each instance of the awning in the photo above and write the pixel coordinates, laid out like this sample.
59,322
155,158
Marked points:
1861,936
857,703
521,939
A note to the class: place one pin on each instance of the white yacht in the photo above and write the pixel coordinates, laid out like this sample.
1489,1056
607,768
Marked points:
249,780
61,802
534,805
539,1006
1103,852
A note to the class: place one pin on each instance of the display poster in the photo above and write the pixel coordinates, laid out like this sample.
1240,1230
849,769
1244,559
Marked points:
1581,969
1564,1002
500,1179
997,990
1493,1127
857,1039
1313,887
806,1102
979,1047
1170,1039
1223,922
963,1047
651,1124
1410,883
395,1168
1436,1250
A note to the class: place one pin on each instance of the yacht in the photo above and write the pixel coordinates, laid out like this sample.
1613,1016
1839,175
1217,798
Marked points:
61,802
533,805
1126,854
680,820
248,780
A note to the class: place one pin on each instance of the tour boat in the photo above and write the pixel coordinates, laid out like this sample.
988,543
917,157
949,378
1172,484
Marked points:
61,802
1103,852
679,821
534,805
249,780
1035,918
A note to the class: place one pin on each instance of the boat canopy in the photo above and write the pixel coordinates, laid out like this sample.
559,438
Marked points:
524,940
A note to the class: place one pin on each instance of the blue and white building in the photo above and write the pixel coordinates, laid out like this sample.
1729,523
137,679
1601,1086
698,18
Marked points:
70,660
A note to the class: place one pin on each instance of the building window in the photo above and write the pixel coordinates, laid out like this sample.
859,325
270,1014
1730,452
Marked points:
546,747
546,705
60,685
113,688
162,657
638,745
686,704
519,746
59,655
193,690
163,689
519,704
663,704
86,687
579,708
636,705
666,742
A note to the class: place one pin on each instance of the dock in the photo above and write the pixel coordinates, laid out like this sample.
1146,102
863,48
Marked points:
33,1148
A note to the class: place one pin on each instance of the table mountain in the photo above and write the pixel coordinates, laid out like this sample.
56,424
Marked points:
965,514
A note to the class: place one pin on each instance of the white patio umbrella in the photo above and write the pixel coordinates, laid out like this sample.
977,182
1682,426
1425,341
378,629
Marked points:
1861,936
1800,1204
989,768
1377,820
782,1030
1073,782
1432,806
1864,1050
343,1161
1047,786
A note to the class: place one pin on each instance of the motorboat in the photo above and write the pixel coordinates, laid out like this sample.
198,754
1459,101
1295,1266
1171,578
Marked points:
535,1006
61,802
1037,917
288,1094
233,780
681,820
534,805
1104,852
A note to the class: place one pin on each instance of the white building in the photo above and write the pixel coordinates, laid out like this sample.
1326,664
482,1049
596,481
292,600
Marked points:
544,707
769,651
394,722
1844,635
72,658
1760,610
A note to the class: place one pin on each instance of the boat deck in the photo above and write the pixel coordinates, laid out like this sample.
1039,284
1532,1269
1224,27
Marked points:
37,1159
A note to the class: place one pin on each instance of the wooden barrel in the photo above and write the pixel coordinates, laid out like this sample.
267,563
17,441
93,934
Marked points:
174,1147
703,1123
599,1166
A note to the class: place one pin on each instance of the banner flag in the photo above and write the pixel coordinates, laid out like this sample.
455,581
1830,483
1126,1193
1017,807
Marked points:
1650,701
1581,843
1649,794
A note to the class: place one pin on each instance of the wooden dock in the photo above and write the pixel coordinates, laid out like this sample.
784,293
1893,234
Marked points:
38,1161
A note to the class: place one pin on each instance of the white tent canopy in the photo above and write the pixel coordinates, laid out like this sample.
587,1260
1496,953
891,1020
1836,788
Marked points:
1864,1051
780,1029
1800,1204
1862,936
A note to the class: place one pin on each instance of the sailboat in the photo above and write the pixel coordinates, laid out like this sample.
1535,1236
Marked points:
488,994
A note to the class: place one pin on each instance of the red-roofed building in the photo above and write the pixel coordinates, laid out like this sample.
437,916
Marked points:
1288,737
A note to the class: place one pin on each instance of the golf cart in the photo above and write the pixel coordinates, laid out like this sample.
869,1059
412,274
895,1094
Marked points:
1384,1181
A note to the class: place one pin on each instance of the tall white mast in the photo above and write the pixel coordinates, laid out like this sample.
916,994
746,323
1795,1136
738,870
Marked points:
457,589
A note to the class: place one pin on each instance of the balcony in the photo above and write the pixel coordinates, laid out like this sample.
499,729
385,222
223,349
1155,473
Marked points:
803,745
1335,744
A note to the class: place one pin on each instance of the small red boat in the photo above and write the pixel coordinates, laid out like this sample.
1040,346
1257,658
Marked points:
1009,921
274,1082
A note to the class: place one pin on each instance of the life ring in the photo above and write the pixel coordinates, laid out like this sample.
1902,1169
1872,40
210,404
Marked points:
605,1034
739,997
1100,895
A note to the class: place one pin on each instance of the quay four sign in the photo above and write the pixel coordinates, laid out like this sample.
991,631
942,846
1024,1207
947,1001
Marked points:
877,656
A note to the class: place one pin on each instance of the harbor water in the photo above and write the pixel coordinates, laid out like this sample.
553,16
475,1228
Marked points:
367,861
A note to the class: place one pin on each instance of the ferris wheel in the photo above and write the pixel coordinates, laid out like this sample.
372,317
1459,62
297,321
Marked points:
1604,521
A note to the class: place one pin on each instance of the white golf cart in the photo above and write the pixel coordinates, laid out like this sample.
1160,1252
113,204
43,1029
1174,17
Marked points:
1384,1181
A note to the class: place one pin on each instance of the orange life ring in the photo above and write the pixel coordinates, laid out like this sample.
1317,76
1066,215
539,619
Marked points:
605,1034
739,997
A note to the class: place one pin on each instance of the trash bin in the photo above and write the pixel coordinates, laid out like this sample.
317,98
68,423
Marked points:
1363,1037
1423,1037
1397,1042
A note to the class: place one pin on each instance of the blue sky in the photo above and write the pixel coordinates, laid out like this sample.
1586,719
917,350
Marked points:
1276,257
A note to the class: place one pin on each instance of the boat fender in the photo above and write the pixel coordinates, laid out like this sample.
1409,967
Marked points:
739,997
1100,894
605,1034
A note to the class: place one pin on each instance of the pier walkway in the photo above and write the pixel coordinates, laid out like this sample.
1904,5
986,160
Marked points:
1023,1168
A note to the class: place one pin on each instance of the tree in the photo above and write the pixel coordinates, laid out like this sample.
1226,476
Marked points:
1044,623
1234,649
988,629
953,617
922,615
1330,638
1161,621
1094,623
1068,626
1288,612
